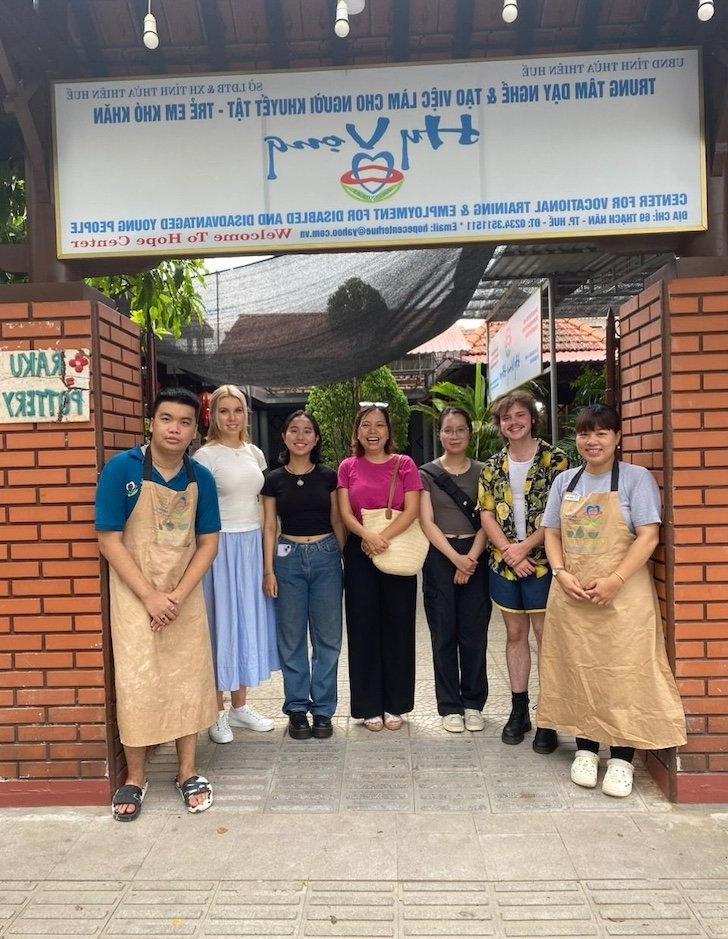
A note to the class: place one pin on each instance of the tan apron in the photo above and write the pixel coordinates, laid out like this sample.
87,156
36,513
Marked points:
603,671
165,685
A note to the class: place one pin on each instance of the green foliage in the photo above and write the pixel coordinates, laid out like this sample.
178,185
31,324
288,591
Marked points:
485,440
334,407
13,216
589,387
356,301
165,299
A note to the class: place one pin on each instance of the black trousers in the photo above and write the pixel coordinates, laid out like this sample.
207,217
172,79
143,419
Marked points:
380,626
458,617
617,753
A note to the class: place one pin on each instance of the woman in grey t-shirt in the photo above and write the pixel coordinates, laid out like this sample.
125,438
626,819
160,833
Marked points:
455,579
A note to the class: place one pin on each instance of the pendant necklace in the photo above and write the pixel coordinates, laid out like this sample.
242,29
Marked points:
299,478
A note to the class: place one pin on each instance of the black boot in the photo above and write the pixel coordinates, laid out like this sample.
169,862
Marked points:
519,722
545,740
322,727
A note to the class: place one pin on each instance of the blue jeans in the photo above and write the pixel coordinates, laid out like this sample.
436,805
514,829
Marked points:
309,600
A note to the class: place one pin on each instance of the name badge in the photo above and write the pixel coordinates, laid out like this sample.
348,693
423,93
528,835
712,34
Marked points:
571,497
283,550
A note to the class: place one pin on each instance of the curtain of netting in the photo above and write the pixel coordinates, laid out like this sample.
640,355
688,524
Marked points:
310,319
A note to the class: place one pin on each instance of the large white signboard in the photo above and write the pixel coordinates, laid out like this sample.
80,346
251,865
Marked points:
44,386
530,148
514,352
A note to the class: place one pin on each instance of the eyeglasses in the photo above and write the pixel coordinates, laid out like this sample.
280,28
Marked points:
458,432
374,404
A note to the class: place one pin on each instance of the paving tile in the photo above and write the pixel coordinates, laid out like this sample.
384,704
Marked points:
515,857
362,909
530,909
709,901
437,847
446,909
67,908
642,908
165,909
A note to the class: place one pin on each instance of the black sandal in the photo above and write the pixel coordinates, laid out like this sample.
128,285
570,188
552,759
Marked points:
195,786
128,795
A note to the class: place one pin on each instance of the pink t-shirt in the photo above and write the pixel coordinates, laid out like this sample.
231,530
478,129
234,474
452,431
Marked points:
368,483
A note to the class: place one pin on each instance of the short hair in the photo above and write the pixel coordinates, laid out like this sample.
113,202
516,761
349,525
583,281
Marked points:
503,404
459,412
176,395
226,391
356,447
598,417
285,455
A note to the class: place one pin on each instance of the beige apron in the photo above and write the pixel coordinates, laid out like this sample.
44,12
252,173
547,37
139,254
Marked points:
603,671
165,685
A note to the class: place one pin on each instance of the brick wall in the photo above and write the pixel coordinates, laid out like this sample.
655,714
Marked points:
674,348
57,731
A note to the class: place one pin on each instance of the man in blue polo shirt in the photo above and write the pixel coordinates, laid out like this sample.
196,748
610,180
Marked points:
158,520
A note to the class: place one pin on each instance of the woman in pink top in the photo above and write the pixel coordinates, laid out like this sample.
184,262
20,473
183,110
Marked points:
380,608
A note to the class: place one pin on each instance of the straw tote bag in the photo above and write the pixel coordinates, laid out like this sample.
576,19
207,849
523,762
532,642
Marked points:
406,552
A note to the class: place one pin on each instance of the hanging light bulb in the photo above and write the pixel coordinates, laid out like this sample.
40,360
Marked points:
510,11
150,36
341,26
706,9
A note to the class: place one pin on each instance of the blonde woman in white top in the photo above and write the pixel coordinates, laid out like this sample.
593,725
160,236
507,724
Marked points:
241,617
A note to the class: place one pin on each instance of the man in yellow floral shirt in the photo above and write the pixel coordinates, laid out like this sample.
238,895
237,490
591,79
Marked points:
514,487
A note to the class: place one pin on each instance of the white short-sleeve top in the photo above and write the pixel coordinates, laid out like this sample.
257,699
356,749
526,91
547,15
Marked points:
238,474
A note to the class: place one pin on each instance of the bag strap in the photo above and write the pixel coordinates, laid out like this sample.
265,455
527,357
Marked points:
392,486
448,485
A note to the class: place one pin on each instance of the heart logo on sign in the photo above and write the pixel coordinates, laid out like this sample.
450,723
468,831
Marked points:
372,172
372,177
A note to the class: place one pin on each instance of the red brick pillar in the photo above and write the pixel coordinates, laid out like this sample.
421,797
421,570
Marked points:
58,738
674,356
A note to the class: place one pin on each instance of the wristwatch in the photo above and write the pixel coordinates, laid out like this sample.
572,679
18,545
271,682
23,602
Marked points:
556,571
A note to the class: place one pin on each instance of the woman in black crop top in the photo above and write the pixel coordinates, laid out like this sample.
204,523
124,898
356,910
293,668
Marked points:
302,570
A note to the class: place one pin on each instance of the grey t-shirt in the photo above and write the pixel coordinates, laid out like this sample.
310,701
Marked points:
639,494
448,517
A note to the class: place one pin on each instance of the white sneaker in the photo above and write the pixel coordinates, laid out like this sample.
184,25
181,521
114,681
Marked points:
618,778
584,769
220,731
453,723
474,720
247,717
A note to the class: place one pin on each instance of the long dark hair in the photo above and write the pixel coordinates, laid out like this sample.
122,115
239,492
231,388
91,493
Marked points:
315,456
356,447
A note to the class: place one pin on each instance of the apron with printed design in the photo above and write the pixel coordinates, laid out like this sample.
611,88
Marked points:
165,685
604,672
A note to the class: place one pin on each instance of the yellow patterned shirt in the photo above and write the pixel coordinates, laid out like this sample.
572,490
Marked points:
494,495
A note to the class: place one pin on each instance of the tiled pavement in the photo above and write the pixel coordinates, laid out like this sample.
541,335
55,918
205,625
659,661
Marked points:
414,833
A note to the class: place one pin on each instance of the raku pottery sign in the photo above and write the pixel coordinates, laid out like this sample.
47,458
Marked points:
44,386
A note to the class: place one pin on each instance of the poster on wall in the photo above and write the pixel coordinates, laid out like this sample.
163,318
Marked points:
521,149
514,352
45,386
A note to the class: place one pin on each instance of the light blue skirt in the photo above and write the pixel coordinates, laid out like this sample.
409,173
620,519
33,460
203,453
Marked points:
242,619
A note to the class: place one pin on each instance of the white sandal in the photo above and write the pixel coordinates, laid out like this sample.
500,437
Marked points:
584,769
375,724
618,778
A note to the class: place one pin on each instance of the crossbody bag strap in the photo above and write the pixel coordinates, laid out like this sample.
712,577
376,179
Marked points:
461,499
392,486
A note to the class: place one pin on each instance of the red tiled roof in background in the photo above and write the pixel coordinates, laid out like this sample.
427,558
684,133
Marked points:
576,341
453,339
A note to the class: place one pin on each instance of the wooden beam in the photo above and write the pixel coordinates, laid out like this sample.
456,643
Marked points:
28,38
525,26
15,259
400,31
89,37
215,33
279,56
462,39
590,25
656,22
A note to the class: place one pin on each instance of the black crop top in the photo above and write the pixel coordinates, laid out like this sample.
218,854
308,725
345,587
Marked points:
303,510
